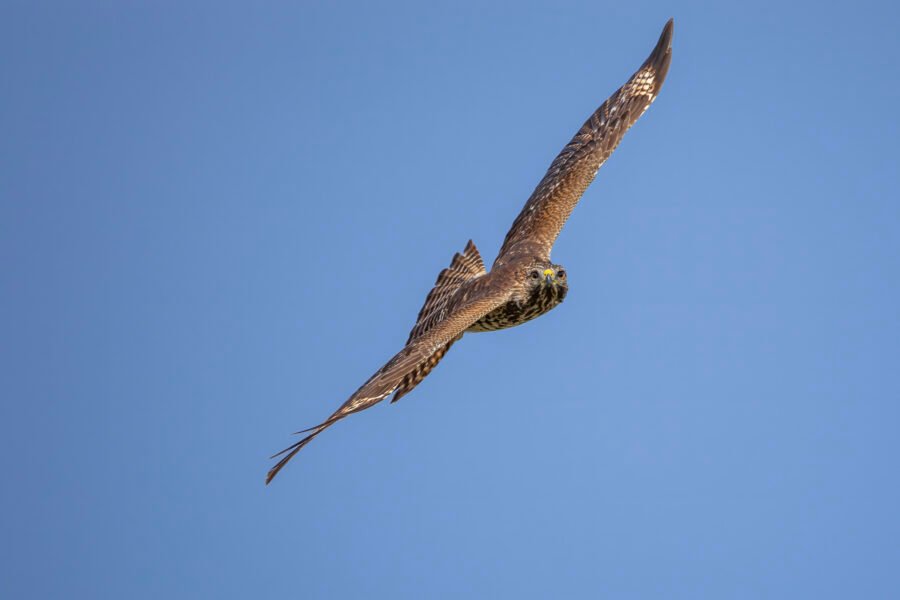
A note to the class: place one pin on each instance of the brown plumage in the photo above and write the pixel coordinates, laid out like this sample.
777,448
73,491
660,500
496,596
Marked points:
522,284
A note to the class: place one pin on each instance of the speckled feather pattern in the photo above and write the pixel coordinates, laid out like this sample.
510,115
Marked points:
515,312
467,298
573,170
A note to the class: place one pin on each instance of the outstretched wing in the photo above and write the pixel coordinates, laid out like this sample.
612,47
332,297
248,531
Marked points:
464,267
480,297
536,228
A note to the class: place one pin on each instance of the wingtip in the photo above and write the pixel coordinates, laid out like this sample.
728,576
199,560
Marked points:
274,470
665,38
661,56
664,45
293,449
272,473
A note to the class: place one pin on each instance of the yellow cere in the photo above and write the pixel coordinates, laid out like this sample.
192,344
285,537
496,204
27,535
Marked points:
548,272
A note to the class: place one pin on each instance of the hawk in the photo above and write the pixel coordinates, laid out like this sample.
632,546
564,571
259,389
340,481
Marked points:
523,282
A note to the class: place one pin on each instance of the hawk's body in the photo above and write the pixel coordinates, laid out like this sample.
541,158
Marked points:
520,308
522,284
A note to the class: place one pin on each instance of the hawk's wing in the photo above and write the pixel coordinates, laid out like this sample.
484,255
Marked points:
464,267
479,297
537,226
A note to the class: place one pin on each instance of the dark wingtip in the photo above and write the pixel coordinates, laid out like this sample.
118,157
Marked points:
292,450
664,45
661,56
274,470
665,38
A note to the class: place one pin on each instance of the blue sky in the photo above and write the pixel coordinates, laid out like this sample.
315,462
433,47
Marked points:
218,219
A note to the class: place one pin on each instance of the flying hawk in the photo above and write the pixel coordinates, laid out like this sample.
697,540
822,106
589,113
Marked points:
523,283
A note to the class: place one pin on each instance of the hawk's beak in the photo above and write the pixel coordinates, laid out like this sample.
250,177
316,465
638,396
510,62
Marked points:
548,276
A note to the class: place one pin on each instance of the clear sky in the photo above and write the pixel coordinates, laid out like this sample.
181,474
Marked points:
217,220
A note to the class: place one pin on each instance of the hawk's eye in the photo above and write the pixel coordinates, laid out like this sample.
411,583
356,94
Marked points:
535,275
560,273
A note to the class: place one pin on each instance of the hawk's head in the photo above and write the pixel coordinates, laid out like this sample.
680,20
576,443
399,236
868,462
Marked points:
545,276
